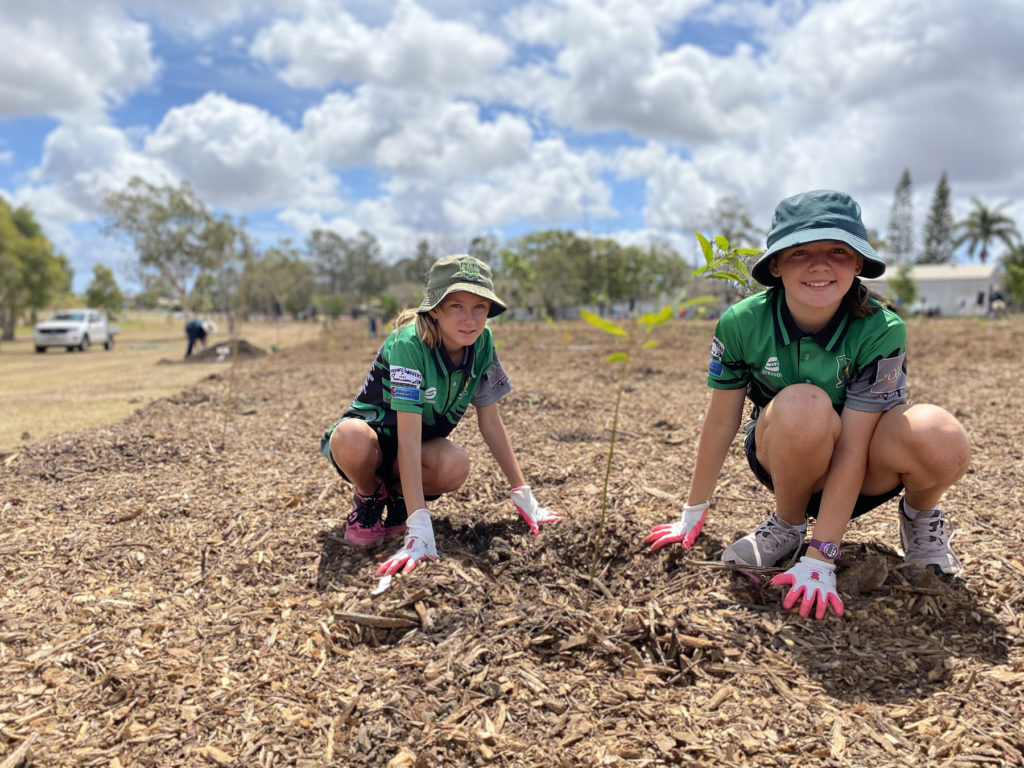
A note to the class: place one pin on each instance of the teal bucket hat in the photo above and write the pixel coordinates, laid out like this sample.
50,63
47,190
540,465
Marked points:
460,272
822,214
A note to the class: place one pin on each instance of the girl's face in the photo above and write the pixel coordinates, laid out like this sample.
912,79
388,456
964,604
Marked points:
461,318
817,275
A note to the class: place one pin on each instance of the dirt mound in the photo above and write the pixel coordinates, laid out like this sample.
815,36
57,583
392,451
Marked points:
222,352
176,590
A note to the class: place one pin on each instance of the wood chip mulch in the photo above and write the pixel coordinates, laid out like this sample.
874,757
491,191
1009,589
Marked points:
175,589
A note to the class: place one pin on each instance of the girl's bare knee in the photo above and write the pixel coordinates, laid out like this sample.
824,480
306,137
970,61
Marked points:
803,414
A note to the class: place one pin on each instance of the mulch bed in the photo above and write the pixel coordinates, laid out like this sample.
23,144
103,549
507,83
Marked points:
175,589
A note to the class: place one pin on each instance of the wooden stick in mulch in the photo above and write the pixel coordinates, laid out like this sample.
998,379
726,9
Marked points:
17,757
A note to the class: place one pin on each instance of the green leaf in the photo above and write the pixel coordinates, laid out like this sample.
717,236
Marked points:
617,357
721,242
705,246
649,343
599,322
697,300
748,251
738,265
727,276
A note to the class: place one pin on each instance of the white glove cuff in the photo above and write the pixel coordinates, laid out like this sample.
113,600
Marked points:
696,507
814,562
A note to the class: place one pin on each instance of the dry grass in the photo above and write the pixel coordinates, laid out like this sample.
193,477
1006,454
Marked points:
42,395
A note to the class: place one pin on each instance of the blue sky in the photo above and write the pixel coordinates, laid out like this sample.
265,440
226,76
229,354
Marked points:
448,119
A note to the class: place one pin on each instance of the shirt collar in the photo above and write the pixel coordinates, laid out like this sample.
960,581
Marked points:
787,331
449,366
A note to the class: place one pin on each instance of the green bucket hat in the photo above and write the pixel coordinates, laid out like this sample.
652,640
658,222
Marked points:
460,273
819,215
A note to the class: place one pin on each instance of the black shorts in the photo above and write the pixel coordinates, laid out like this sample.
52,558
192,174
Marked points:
864,503
388,448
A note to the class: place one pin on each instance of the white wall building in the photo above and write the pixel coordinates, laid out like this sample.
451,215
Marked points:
952,289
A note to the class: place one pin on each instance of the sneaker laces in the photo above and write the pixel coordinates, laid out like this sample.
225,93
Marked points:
367,510
928,532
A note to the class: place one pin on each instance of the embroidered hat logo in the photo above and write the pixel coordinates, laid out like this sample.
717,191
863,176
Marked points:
469,267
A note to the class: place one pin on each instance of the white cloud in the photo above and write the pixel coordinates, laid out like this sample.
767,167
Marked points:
61,57
238,156
415,50
83,162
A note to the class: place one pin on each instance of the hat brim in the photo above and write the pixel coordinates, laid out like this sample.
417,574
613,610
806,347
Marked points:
497,305
873,264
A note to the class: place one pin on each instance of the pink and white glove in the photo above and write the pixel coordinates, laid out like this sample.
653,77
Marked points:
685,531
534,515
815,581
419,545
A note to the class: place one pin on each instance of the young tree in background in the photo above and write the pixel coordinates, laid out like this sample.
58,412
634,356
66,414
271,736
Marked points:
730,218
985,225
900,237
173,232
102,291
938,229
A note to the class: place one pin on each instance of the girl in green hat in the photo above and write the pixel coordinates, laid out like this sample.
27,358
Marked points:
392,443
831,432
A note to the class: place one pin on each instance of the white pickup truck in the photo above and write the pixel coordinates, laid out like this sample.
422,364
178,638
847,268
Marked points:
75,329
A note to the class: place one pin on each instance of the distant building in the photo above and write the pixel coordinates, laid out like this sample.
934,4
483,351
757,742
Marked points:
948,289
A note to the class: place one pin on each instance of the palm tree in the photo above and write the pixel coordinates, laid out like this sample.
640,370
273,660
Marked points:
983,225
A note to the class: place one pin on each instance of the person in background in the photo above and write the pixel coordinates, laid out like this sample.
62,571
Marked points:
392,442
197,331
832,433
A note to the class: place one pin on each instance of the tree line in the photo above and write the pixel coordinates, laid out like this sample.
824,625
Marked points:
207,262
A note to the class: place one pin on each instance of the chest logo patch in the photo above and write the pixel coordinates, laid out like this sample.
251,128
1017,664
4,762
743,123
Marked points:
842,371
772,367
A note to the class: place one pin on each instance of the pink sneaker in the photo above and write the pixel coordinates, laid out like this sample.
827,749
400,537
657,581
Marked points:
364,527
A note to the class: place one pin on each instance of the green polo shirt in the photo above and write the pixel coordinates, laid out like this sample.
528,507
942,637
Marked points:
859,362
409,376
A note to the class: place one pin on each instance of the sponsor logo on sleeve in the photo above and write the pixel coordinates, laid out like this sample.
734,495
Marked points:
717,349
890,380
715,367
405,394
405,377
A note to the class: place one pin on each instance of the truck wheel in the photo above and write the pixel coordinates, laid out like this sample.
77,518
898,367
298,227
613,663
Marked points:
40,349
109,343
84,346
71,349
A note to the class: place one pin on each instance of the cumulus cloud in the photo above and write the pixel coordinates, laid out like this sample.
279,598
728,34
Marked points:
238,156
61,57
414,49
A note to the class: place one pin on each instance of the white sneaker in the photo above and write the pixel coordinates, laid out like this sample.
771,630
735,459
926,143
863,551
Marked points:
925,542
773,541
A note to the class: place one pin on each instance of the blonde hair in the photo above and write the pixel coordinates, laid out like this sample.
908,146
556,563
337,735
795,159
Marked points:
426,328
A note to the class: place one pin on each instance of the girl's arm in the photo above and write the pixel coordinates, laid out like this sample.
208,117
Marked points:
410,458
845,476
721,423
492,429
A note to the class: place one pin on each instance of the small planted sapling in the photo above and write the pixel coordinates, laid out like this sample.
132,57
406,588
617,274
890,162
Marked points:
721,263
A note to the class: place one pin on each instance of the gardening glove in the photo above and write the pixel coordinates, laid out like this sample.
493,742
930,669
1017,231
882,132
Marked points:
685,531
815,581
534,516
419,545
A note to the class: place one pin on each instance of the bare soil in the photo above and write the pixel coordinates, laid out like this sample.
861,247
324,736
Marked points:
175,589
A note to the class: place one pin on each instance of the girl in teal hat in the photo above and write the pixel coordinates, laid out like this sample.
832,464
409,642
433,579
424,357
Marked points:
831,433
